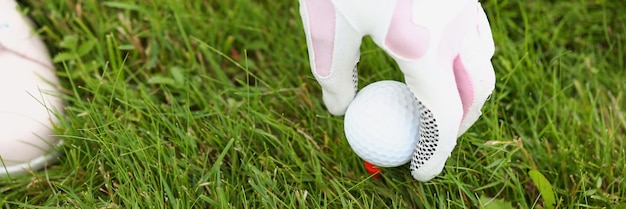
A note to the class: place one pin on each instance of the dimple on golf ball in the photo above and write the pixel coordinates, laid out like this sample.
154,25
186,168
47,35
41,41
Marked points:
382,124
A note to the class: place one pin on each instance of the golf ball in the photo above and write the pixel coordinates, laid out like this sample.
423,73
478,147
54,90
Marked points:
382,124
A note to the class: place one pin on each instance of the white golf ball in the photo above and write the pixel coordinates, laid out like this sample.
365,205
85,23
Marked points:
382,124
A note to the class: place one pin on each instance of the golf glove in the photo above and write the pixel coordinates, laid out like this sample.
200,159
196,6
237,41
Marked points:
443,47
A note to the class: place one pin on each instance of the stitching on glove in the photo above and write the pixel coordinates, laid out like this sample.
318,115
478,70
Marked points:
355,78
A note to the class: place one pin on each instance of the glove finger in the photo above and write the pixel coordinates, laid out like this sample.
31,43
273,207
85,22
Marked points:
333,46
433,81
441,111
474,72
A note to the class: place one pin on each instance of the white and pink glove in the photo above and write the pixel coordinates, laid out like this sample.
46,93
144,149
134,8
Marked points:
443,47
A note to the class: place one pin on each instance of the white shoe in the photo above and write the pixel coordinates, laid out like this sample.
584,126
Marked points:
28,95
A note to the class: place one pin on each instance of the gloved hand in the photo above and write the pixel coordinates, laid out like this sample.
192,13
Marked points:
443,47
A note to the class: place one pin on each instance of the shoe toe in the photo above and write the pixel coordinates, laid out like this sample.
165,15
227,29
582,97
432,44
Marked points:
28,95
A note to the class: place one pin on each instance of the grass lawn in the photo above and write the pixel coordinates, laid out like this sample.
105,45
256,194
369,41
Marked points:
189,104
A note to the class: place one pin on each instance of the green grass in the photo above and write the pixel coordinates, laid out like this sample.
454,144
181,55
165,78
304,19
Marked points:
189,104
